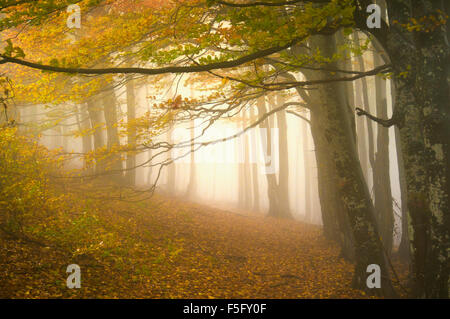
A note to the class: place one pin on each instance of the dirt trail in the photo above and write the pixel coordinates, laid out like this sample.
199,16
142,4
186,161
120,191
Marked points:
260,257
174,249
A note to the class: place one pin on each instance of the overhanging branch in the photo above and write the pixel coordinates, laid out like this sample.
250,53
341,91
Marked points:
148,71
384,122
299,115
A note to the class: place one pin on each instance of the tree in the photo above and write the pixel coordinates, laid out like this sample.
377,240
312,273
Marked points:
283,153
266,143
307,178
381,176
191,188
416,45
130,174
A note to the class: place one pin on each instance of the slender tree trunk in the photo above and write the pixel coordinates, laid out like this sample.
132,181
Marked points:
130,173
149,152
361,133
64,135
379,162
272,186
171,168
95,117
240,145
191,188
404,248
307,169
381,176
347,89
149,168
254,166
114,162
366,107
283,153
246,169
84,127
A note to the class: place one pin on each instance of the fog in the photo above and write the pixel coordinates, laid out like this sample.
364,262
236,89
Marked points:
218,165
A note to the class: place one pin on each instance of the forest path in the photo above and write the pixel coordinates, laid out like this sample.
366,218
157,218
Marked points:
168,248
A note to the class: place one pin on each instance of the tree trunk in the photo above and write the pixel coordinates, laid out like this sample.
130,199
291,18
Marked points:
381,176
95,117
307,178
191,188
361,132
130,173
272,187
114,162
366,107
283,153
84,127
254,165
421,71
338,130
246,169
404,248
171,168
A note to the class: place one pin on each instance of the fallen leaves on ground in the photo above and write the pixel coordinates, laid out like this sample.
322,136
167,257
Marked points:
167,248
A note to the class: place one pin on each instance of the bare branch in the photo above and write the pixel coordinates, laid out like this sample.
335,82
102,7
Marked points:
386,123
300,116
164,70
